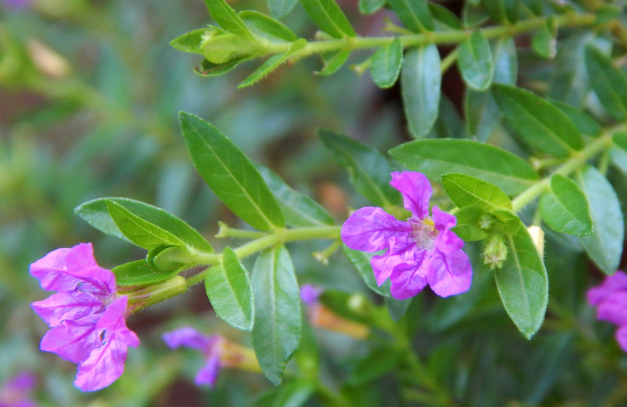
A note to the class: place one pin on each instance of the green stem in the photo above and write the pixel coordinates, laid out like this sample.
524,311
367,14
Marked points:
323,256
226,231
449,60
332,398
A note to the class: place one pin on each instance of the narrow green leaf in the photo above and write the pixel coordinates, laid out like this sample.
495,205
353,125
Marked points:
369,171
414,14
230,174
140,231
371,6
230,292
97,215
605,244
540,123
584,123
396,308
435,158
386,64
267,27
420,80
329,17
335,63
209,69
299,210
544,43
475,61
469,191
445,16
140,273
449,124
277,326
280,8
565,207
271,64
608,82
227,17
361,261
468,226
189,42
523,283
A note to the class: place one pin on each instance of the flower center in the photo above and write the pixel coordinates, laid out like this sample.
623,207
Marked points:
423,233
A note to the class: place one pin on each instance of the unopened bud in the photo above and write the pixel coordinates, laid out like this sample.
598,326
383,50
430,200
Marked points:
495,252
537,235
220,49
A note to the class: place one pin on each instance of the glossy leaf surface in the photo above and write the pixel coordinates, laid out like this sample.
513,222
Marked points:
140,273
565,207
475,61
608,82
386,64
469,191
329,17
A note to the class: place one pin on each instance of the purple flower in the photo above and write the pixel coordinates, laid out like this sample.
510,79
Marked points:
17,4
610,298
423,250
87,317
309,294
15,392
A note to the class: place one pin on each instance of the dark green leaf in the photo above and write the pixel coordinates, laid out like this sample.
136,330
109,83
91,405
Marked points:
336,62
97,215
536,6
294,394
606,13
414,14
329,17
605,244
397,308
279,8
229,291
435,158
271,64
473,15
369,171
299,210
277,326
361,261
541,124
209,69
379,361
386,64
140,273
565,207
608,82
189,42
502,11
618,151
227,18
469,191
448,124
421,79
584,123
445,16
475,61
544,43
230,174
266,26
371,6
469,221
523,283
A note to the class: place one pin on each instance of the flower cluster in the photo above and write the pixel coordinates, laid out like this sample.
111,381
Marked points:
423,250
15,392
610,298
87,317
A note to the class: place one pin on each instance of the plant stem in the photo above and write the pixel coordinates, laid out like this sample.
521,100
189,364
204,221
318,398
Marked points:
226,231
449,60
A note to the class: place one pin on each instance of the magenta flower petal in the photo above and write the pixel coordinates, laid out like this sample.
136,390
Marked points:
408,279
614,309
50,271
450,273
309,294
448,241
399,253
103,366
73,340
23,382
416,191
370,229
187,337
62,306
621,337
208,374
113,321
611,285
443,220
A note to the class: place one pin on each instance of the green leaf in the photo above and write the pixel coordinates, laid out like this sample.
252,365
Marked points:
140,273
379,361
475,61
140,231
230,174
386,64
608,82
227,18
469,191
294,393
189,42
335,63
469,224
230,293
544,43
209,69
225,48
618,151
607,12
329,17
299,210
271,64
276,331
97,215
361,261
523,283
371,6
396,308
502,11
445,16
369,171
435,158
605,244
473,14
414,14
540,123
584,123
565,207
280,8
267,27
420,80
449,124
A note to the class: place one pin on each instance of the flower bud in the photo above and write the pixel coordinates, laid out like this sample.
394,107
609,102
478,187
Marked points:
220,49
495,252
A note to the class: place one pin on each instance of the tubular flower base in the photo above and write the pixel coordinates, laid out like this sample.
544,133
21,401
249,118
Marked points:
421,251
87,317
15,392
610,298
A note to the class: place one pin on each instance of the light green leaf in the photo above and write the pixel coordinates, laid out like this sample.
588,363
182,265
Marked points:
361,261
544,43
371,6
608,82
280,8
369,171
335,63
140,273
386,64
230,174
605,244
224,48
227,18
584,123
475,61
435,158
272,63
414,14
329,17
230,292
445,16
523,283
189,42
420,81
267,27
277,326
469,191
209,69
540,123
618,151
565,207
468,226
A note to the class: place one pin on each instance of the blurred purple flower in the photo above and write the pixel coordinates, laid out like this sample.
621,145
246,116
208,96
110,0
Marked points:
610,298
309,294
87,317
15,392
421,251
17,4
